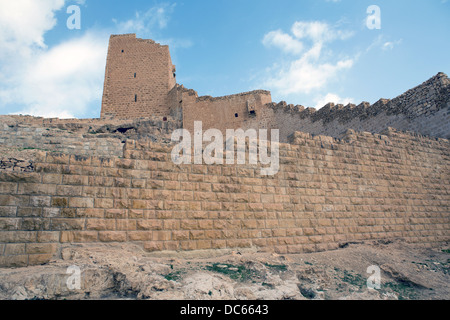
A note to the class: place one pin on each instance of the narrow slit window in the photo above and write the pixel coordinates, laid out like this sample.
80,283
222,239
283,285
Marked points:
135,98
236,115
135,74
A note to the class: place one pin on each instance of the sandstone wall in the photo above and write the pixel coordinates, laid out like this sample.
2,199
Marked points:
424,109
328,192
139,75
239,111
140,82
24,137
89,137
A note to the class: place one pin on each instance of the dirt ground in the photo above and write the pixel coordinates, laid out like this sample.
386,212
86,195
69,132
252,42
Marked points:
127,272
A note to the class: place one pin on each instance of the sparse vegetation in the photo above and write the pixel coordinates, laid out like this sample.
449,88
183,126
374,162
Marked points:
353,279
174,276
404,291
277,267
239,273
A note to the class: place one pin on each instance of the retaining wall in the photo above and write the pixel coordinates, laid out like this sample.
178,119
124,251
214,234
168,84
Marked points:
327,192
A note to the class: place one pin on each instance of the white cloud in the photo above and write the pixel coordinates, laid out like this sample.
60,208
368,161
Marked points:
311,70
63,81
331,97
388,45
67,78
147,22
318,32
24,23
382,43
60,81
283,41
315,30
302,76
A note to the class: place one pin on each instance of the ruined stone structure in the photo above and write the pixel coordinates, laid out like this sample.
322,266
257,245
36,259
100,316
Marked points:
140,82
139,76
112,180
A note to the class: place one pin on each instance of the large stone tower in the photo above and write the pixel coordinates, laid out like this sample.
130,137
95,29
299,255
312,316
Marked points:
139,75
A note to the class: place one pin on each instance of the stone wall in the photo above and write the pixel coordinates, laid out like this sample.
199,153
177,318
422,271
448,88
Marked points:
424,109
89,137
32,138
139,75
239,111
328,192
140,82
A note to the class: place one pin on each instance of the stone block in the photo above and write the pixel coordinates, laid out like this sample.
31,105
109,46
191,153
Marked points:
112,236
36,189
104,203
161,235
63,224
8,187
9,224
51,178
17,236
14,249
115,213
50,212
69,191
48,236
100,224
126,225
41,248
149,224
79,236
40,201
68,213
60,202
139,235
152,246
80,160
39,259
14,261
57,158
81,202
8,211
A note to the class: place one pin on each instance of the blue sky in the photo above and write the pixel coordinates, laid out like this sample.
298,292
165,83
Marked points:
305,52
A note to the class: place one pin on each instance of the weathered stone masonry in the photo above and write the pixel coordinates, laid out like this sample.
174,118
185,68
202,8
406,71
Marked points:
111,180
328,192
424,109
152,91
139,75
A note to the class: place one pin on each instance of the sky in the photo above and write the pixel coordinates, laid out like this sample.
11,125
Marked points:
311,52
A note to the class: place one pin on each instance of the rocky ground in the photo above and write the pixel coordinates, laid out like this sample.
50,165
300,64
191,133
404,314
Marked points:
128,272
